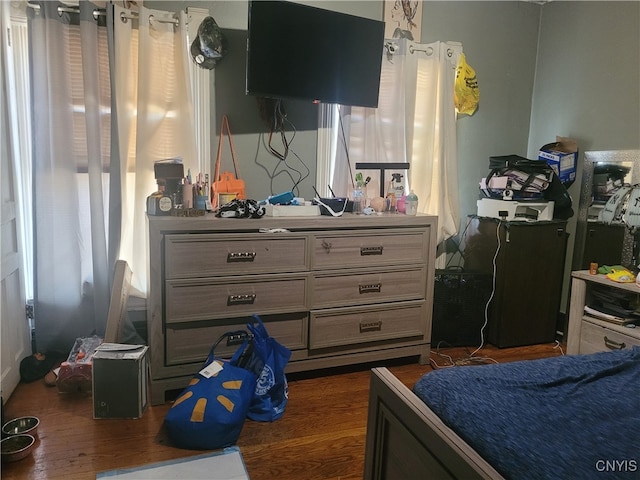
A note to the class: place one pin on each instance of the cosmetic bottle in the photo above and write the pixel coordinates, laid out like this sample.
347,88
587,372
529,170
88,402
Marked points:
411,204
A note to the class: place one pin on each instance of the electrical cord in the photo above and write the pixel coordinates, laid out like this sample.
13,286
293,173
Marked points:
493,291
459,250
277,125
274,115
472,357
457,362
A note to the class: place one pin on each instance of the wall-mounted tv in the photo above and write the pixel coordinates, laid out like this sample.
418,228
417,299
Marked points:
308,53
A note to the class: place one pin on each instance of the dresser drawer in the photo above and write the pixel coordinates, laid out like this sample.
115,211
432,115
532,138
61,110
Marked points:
189,256
191,300
595,337
191,343
354,287
352,327
370,249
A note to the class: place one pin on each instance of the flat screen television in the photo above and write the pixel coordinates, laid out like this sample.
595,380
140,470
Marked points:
307,53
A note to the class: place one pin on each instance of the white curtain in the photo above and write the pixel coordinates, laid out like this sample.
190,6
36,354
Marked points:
95,140
414,123
432,134
71,270
150,75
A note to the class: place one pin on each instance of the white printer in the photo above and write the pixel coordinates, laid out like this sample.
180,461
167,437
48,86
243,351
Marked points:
513,210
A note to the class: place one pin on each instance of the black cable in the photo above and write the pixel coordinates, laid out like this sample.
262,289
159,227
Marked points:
279,117
308,171
458,249
274,115
273,173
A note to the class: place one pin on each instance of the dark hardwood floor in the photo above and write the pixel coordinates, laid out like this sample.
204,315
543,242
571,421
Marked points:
321,436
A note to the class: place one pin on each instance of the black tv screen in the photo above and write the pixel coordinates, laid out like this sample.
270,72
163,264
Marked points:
308,53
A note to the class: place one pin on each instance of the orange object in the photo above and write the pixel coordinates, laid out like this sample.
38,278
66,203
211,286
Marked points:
593,268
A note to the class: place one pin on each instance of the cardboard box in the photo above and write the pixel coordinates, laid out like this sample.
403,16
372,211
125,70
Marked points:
120,381
562,156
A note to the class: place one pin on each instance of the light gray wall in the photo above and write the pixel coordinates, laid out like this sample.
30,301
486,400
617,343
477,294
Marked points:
587,84
588,75
500,43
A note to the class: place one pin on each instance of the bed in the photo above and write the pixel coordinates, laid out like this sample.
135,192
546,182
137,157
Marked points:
575,416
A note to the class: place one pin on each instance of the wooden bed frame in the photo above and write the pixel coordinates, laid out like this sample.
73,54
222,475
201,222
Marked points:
405,439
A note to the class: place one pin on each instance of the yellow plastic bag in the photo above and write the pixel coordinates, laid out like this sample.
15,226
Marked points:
466,94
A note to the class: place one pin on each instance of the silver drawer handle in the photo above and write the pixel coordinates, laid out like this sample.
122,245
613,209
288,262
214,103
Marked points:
371,251
241,257
370,326
370,288
241,299
614,345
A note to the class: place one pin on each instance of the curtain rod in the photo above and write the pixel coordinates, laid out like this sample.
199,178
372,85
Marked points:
101,12
96,12
392,47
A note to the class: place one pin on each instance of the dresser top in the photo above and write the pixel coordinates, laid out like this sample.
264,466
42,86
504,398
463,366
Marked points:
210,223
603,280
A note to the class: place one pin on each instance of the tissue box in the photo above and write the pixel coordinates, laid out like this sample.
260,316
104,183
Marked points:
562,156
120,381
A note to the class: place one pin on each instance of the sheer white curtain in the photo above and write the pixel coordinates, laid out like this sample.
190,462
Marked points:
95,138
373,134
70,155
154,116
414,123
432,135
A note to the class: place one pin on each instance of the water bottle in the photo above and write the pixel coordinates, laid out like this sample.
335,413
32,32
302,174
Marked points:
358,198
411,204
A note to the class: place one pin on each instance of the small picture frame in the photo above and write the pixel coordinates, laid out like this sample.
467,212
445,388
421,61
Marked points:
403,19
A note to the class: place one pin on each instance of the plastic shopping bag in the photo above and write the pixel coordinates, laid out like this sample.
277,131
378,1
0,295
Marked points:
271,393
211,411
466,93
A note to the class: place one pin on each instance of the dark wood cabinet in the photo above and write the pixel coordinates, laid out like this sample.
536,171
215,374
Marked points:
603,244
528,261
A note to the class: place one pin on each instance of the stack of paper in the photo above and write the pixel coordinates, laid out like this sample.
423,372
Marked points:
609,317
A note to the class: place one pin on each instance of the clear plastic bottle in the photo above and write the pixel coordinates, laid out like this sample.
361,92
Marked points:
411,204
358,198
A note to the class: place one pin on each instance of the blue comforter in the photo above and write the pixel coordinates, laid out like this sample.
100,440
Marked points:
570,417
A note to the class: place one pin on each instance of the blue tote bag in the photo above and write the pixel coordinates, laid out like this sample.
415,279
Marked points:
211,411
269,359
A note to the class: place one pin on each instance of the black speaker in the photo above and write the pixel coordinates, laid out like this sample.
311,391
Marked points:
459,301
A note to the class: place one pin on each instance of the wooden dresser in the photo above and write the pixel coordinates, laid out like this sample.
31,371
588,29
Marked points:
587,334
335,291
